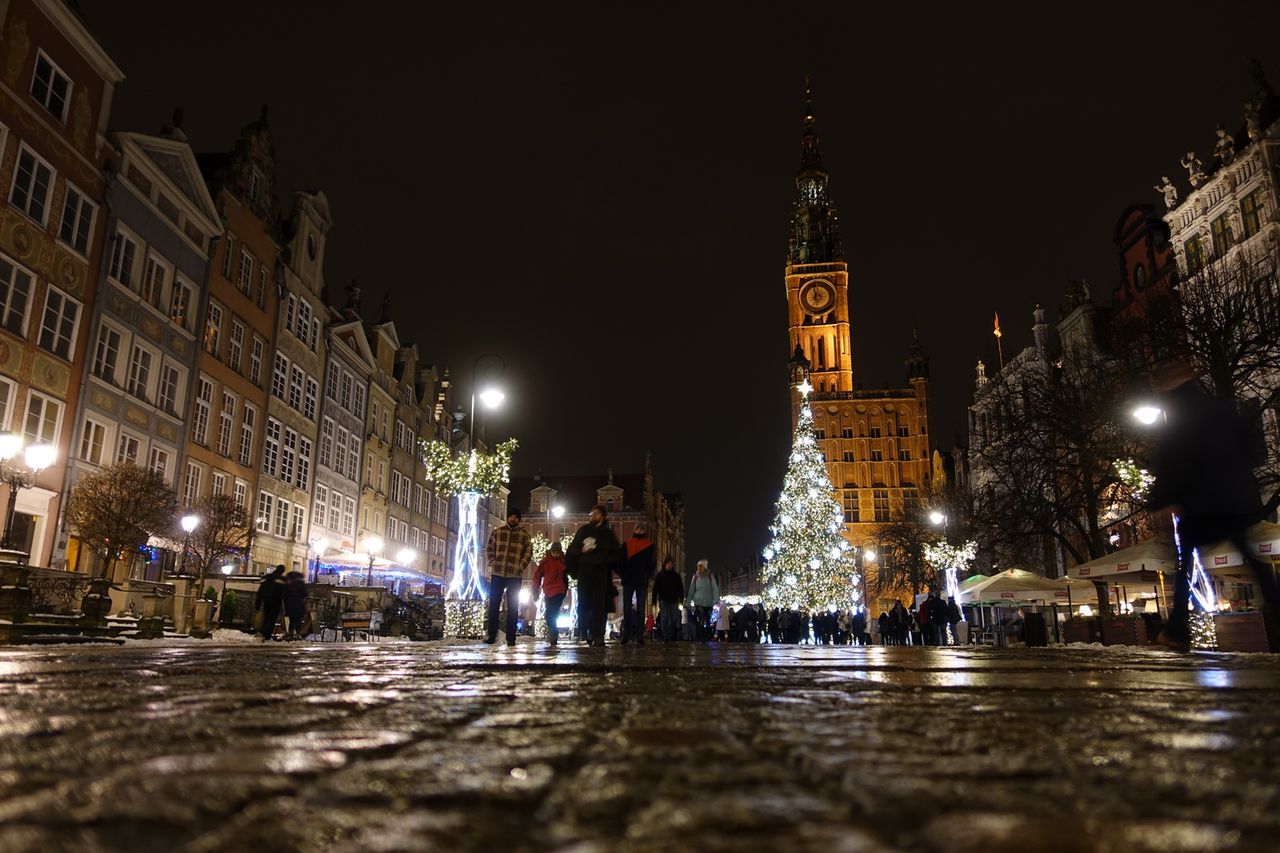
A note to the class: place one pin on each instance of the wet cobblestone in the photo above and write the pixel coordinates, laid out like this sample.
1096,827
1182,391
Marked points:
464,747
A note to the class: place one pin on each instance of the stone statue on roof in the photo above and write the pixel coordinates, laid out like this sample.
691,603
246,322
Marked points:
1195,169
1225,148
1169,191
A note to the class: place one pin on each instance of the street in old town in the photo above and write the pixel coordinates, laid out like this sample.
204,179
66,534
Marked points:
394,746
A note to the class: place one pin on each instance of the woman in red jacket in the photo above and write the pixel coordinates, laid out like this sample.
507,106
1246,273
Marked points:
549,577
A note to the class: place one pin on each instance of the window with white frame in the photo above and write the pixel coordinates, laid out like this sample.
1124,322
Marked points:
93,441
248,418
241,494
357,401
32,183
255,184
226,422
244,281
309,399
58,328
8,393
266,506
303,320
331,381
282,518
381,485
139,384
315,335
191,485
127,448
299,522
159,461
154,275
320,505
340,452
288,454
213,329
51,87
235,345
271,447
353,458
219,483
169,397
262,286
203,410
335,511
290,310
106,354
348,516
326,443
124,254
304,463
296,377
345,399
280,377
180,303
228,252
15,295
255,360
77,220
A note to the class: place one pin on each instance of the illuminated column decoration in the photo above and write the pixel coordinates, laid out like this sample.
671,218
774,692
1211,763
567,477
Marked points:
950,560
467,477
1203,604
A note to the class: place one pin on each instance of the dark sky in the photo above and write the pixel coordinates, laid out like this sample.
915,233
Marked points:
600,192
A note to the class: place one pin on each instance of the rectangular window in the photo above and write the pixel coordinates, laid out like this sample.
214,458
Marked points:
124,251
93,439
288,455
299,522
846,432
219,483
850,502
315,335
204,405
1194,250
167,398
326,443
348,516
282,518
399,433
154,275
235,345
847,456
255,360
1223,240
304,463
295,387
335,512
304,320
353,458
139,373
381,485
262,285
213,329
127,449
340,453
290,311
345,398
1252,208
58,329
280,377
50,87
180,303
241,494
819,434
228,252
244,281
226,423
159,462
903,432
271,447
32,183
168,208
874,432
106,354
904,455
881,498
877,455
15,293
266,505
309,399
357,401
320,507
331,381
249,416
44,416
77,220
191,485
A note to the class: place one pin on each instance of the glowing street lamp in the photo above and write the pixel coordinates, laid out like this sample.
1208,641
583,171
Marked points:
373,547
1147,414
37,457
406,556
937,518
318,547
492,396
189,523
226,569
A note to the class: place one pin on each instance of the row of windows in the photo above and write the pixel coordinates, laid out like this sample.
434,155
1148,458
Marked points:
213,343
851,502
339,450
299,322
864,432
159,285
876,455
334,510
280,517
286,455
148,375
218,486
239,268
31,193
290,383
342,387
102,443
1221,234
59,319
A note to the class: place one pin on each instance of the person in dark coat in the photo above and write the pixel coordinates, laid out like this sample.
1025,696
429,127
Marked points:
668,593
295,605
638,561
591,559
1204,473
858,627
954,618
269,599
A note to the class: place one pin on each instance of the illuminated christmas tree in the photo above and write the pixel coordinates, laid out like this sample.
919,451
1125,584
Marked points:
808,565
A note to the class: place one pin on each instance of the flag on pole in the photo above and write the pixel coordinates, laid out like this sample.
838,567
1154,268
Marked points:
997,331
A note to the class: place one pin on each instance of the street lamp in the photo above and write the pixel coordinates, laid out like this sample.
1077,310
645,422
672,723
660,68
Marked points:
405,556
318,547
491,396
558,512
372,547
226,569
937,518
37,458
189,523
1147,414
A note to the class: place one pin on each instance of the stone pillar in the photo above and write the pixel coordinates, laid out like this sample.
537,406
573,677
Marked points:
15,595
96,604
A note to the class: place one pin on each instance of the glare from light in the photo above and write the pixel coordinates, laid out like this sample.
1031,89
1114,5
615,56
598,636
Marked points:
40,456
373,545
190,522
525,596
869,555
405,556
936,517
320,546
227,569
10,444
557,511
1147,415
492,398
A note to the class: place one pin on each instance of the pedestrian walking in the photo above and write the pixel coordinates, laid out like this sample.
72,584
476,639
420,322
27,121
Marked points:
509,552
1204,473
591,559
638,563
723,616
885,625
858,628
704,592
268,600
954,618
549,577
668,593
295,605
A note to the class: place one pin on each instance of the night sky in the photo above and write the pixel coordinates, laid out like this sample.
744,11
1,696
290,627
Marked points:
601,193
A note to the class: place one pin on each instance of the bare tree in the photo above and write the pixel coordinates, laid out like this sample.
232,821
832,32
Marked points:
901,562
223,533
116,509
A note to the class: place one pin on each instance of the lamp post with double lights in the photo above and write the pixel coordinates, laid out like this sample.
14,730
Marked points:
373,547
37,457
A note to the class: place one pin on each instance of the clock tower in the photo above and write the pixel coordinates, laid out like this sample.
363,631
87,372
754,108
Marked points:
816,274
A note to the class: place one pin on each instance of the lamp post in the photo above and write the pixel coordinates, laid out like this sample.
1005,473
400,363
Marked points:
558,512
37,457
189,523
317,547
491,396
372,547
226,569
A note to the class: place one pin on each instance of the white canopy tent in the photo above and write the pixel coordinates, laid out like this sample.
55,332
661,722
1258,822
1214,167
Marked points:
1150,556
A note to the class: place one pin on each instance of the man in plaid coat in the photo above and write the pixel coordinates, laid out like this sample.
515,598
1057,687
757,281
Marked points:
509,551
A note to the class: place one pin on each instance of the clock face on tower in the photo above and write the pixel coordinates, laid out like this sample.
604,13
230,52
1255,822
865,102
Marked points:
817,296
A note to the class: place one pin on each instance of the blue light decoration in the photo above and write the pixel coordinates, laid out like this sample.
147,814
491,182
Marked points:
1204,634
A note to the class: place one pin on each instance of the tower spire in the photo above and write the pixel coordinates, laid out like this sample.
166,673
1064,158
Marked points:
815,237
810,153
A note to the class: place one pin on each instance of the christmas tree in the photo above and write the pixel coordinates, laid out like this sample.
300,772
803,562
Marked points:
808,565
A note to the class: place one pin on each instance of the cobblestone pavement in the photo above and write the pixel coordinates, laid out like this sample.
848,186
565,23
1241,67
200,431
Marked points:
465,747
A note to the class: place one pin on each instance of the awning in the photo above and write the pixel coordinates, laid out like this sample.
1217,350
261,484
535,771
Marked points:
1010,586
1263,539
1151,556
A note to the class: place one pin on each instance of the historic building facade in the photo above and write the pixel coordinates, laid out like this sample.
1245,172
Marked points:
142,402
876,443
56,86
297,369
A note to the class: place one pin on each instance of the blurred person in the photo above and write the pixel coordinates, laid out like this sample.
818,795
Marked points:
668,593
294,595
637,564
268,600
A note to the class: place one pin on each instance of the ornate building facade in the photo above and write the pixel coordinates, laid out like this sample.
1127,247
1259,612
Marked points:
876,443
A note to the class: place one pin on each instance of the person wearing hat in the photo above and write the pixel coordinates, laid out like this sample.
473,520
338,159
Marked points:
591,559
509,551
549,577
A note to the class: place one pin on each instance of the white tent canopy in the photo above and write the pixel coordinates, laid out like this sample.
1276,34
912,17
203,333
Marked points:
1263,539
1151,556
1016,585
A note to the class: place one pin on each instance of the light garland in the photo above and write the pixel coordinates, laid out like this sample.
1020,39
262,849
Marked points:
464,619
473,472
808,565
950,559
1137,480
